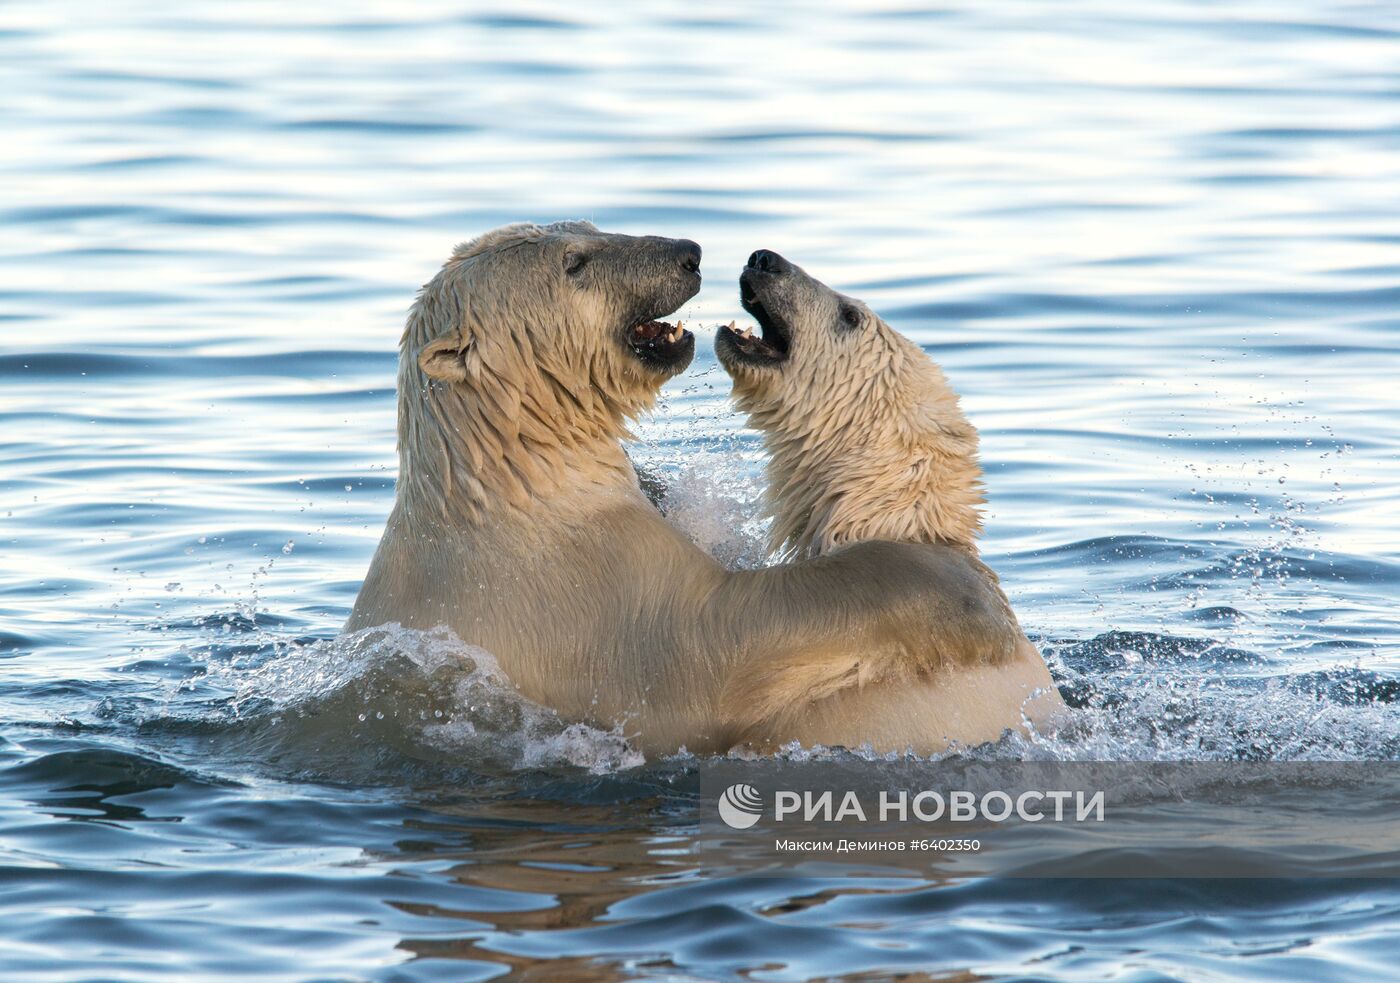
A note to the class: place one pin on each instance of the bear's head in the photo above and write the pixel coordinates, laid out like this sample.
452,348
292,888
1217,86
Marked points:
523,358
865,437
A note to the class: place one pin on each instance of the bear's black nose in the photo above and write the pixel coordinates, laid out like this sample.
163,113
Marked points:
689,253
767,261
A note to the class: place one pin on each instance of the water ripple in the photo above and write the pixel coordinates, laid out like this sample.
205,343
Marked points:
1153,246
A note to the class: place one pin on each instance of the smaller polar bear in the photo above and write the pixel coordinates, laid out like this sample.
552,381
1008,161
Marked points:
866,442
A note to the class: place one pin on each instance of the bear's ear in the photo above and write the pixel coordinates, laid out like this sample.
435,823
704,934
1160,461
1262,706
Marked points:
446,359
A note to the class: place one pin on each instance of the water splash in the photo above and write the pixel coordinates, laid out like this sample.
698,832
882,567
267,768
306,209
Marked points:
417,703
714,497
1148,696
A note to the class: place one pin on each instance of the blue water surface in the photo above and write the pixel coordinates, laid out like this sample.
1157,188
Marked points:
1156,246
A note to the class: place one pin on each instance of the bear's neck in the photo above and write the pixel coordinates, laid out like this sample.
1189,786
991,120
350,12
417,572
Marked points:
901,466
463,458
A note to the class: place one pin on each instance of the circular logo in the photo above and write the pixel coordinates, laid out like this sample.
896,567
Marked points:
740,806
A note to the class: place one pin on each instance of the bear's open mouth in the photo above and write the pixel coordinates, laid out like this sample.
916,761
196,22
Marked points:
770,346
661,344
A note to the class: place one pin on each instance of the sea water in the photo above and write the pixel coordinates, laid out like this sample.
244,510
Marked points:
1155,246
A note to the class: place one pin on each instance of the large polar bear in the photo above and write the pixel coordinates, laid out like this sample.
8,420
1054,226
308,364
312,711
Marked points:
866,442
519,524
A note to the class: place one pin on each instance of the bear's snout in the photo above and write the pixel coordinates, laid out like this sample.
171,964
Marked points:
767,261
688,254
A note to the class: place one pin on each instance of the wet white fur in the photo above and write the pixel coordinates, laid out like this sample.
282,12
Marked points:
519,524
867,442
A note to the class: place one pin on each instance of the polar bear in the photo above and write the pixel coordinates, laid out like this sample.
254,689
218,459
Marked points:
519,523
866,442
